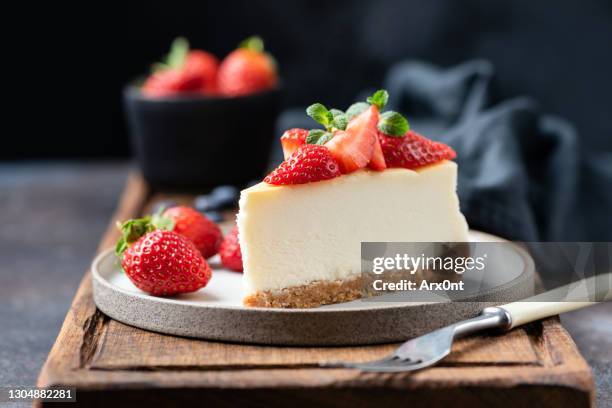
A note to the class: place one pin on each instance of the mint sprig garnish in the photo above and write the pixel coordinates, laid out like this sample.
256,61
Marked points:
379,98
340,121
393,124
331,119
132,230
355,109
321,115
318,136
390,123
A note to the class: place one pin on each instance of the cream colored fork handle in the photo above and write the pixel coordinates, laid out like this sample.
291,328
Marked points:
574,296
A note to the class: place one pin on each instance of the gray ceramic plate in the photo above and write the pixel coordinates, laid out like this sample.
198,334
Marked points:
216,312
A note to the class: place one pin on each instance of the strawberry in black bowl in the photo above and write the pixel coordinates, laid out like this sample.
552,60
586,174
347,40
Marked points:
197,122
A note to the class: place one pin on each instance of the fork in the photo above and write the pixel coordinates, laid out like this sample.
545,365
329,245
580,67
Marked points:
427,350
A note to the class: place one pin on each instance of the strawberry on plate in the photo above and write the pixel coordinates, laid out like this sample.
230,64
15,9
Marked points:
412,150
230,253
191,224
247,70
292,139
307,164
183,71
353,148
160,262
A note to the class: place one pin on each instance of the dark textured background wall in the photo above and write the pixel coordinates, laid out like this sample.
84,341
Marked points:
554,50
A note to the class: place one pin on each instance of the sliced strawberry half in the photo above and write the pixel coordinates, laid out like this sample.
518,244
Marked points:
309,163
292,139
378,158
354,147
412,150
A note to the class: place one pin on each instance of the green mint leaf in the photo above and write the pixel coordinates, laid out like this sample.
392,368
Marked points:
355,109
178,53
254,43
314,135
379,98
320,114
393,124
340,122
326,137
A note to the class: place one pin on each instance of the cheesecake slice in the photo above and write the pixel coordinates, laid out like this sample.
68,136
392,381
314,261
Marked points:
301,243
365,177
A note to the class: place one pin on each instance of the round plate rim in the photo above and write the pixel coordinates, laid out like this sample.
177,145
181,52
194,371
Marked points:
529,267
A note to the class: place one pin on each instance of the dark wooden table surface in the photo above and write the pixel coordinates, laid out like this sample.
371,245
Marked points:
52,216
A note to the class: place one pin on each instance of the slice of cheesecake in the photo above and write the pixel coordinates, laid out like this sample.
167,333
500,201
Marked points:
301,243
365,177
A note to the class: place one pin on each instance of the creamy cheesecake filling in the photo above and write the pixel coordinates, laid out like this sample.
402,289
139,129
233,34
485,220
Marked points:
300,235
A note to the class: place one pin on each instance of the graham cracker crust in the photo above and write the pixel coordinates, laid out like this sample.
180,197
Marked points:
319,293
314,294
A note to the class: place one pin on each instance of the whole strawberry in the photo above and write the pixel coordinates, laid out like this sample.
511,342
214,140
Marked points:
230,253
160,262
247,70
184,71
412,150
205,234
204,66
309,163
170,82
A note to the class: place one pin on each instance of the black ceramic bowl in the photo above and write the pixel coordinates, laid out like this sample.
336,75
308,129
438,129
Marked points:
198,142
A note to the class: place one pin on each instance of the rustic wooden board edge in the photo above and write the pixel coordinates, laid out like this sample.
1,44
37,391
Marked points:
77,339
564,370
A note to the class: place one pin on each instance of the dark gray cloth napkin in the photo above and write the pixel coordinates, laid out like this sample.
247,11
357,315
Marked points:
522,173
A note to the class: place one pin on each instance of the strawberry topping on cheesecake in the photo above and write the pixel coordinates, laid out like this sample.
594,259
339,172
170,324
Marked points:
362,137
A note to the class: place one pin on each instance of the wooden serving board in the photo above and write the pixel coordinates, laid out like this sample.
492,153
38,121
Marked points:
113,364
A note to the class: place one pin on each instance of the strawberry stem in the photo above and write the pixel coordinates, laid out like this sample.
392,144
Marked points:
254,43
133,230
178,52
175,58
